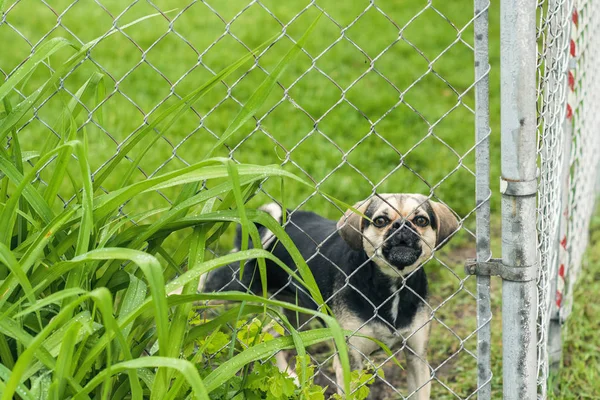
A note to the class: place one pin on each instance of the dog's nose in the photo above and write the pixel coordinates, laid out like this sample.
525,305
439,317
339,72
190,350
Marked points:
403,234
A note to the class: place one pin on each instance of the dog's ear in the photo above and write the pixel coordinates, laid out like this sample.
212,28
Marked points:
350,225
447,223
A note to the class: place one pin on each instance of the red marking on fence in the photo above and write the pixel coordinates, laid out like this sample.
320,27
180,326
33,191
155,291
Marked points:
558,298
569,111
563,243
561,270
566,213
575,17
571,81
572,47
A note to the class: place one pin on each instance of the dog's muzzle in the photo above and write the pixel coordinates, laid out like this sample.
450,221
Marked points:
402,246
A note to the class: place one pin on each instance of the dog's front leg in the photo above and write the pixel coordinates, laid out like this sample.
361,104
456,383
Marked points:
358,348
418,371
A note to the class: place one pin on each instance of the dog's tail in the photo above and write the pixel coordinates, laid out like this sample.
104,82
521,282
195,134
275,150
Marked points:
228,277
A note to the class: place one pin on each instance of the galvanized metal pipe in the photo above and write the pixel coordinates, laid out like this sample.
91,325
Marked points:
482,196
519,236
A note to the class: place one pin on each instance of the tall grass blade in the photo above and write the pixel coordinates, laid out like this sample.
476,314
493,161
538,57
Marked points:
102,299
33,253
17,157
8,259
262,93
63,363
44,52
5,373
179,322
134,297
87,204
35,200
174,111
60,164
153,272
187,369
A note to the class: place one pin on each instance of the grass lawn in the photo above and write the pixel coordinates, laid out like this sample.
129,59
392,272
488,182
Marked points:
578,377
404,125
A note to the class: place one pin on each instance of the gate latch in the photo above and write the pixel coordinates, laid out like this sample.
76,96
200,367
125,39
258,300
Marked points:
495,267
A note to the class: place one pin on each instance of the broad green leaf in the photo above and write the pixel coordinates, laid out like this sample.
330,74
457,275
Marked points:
6,353
54,298
334,327
15,147
248,173
108,203
223,318
11,329
87,217
9,215
336,331
25,157
153,272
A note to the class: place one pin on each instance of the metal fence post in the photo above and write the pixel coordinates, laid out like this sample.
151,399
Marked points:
519,187
483,193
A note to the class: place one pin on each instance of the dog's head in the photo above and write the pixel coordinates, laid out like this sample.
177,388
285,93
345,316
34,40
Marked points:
400,231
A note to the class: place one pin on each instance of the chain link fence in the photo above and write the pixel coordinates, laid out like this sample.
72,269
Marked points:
568,151
380,100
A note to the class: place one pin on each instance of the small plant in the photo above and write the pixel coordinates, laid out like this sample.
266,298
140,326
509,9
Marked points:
359,384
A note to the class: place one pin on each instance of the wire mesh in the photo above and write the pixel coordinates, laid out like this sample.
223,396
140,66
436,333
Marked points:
354,115
568,151
586,143
553,63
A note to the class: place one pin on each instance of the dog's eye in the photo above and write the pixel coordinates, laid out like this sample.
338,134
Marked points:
380,222
421,221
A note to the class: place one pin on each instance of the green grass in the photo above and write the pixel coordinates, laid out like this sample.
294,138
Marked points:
288,130
578,378
316,135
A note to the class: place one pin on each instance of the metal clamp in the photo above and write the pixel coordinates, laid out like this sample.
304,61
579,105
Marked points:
495,267
518,188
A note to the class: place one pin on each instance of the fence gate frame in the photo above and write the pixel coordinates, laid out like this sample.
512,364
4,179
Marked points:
533,277
518,266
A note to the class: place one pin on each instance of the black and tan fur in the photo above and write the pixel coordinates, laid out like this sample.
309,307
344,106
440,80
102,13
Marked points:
368,270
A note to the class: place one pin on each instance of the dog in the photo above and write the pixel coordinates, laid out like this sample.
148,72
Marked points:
369,270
